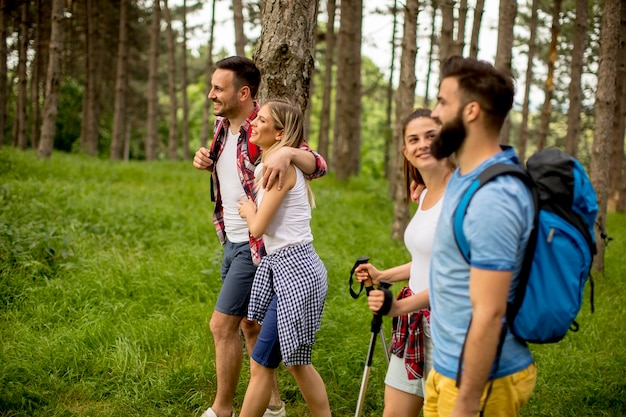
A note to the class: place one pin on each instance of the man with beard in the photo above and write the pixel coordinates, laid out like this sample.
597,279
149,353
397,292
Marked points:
232,160
479,366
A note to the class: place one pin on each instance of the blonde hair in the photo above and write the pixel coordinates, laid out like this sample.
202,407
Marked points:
288,118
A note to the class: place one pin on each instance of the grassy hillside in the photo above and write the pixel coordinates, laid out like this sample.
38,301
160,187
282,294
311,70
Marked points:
109,273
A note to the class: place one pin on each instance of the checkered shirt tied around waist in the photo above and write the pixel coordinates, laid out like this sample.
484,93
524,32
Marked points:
407,339
298,277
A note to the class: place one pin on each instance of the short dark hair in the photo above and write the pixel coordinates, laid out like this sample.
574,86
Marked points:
479,81
246,72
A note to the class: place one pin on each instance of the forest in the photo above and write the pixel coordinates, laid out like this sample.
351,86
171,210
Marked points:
102,99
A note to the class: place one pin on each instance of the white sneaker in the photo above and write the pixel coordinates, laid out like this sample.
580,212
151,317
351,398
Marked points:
210,413
278,413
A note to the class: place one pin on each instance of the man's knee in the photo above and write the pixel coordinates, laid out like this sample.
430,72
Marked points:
224,325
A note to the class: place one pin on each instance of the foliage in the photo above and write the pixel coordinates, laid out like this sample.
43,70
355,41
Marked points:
109,273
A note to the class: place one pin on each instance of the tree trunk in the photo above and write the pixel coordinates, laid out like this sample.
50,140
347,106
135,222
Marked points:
459,41
575,87
619,120
286,53
121,86
152,139
53,81
89,127
478,17
240,36
206,109
546,111
21,140
3,68
172,143
604,111
405,98
506,22
323,143
35,80
433,40
183,86
523,134
389,138
447,30
347,147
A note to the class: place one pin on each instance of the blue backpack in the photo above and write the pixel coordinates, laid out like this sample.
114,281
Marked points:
557,262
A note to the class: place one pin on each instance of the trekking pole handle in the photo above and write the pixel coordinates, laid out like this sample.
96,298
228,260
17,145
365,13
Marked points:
360,261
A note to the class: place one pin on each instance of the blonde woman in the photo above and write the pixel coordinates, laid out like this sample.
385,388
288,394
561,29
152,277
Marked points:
290,284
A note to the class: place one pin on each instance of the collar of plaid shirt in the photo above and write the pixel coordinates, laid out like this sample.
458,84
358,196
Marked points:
248,155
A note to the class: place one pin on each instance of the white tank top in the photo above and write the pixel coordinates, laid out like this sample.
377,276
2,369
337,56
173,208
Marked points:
291,223
231,190
418,239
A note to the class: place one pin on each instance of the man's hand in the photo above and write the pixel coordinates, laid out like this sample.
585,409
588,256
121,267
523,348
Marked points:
246,208
275,167
202,159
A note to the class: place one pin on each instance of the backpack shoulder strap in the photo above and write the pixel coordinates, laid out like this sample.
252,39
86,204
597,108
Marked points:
483,178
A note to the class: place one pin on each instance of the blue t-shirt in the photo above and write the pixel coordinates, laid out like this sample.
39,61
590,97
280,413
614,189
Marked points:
497,226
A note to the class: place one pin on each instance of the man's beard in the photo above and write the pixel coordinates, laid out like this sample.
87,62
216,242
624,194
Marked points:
450,138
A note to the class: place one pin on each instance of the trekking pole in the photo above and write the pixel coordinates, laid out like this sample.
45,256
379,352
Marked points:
376,323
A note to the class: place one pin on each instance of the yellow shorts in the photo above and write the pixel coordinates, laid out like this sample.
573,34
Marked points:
508,395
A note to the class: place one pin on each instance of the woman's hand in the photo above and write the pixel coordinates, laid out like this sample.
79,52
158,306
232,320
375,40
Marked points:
367,271
247,208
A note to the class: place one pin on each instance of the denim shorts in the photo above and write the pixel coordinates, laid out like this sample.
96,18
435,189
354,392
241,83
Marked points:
267,347
237,276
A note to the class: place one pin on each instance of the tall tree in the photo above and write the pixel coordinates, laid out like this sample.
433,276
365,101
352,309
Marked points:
476,24
35,79
3,68
459,39
433,41
208,71
172,147
240,36
546,110
575,87
405,98
20,139
619,120
53,81
286,53
152,139
347,146
447,30
605,112
329,62
93,64
506,22
184,82
389,139
523,134
121,86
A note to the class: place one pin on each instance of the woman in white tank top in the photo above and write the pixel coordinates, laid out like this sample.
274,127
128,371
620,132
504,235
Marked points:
411,346
290,285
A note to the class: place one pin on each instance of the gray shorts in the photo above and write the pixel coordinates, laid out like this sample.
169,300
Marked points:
396,373
237,276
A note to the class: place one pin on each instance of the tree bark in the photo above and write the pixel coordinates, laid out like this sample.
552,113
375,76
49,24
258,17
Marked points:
240,36
152,139
447,30
347,146
35,79
3,68
91,96
329,60
286,52
183,86
53,81
20,139
532,45
575,87
546,111
206,109
604,112
172,143
619,120
121,86
433,40
405,98
506,22
389,139
478,17
459,41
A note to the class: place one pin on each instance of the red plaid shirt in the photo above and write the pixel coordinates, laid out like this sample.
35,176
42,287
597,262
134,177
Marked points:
248,157
407,339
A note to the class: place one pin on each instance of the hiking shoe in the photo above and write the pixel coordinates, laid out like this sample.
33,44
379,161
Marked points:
210,413
276,413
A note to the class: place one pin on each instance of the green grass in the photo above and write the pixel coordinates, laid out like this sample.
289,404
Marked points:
109,273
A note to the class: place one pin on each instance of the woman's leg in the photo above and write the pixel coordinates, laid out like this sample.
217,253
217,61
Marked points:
312,388
401,404
258,393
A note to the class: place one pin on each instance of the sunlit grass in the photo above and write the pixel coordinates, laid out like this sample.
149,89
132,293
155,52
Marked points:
109,273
